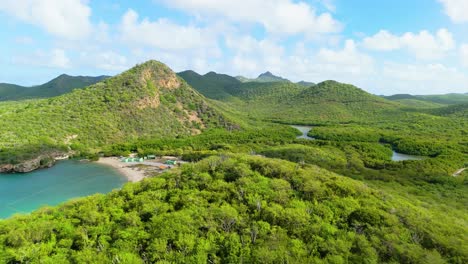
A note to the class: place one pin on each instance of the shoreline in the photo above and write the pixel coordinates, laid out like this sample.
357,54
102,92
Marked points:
132,174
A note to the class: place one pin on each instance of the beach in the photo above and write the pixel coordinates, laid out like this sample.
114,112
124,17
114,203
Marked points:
133,174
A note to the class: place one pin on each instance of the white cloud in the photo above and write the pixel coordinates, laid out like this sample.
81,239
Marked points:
348,60
105,60
456,10
422,45
277,16
162,33
464,54
421,79
56,58
63,18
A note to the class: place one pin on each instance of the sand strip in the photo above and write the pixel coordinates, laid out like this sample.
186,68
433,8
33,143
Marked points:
132,174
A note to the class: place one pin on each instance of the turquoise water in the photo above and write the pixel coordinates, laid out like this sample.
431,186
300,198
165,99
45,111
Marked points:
23,193
304,130
400,157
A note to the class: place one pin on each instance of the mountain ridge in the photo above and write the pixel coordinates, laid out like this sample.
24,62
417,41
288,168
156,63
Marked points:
61,84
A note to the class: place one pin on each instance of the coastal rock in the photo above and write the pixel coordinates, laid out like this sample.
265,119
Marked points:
43,161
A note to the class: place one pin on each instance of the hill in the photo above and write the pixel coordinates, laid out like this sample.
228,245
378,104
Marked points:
264,77
61,85
428,101
458,110
211,85
329,101
148,100
239,209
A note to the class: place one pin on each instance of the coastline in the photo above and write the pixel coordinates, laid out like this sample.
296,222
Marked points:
132,174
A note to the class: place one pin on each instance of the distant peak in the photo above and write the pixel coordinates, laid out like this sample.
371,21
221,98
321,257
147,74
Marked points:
266,74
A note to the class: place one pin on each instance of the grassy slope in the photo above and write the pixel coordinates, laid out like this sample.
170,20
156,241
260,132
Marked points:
61,85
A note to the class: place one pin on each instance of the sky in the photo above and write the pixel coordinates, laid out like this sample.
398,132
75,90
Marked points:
385,47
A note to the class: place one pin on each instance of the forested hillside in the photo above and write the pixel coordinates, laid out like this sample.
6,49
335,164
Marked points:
252,191
147,100
239,209
328,101
61,85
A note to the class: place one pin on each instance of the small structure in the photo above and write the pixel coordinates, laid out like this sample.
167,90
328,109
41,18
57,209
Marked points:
162,167
151,157
170,162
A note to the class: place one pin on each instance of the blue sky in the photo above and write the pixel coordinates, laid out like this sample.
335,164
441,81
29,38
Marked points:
385,47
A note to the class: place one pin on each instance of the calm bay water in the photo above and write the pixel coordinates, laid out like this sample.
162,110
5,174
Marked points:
23,193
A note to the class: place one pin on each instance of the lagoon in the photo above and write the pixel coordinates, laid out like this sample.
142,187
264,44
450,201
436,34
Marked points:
23,193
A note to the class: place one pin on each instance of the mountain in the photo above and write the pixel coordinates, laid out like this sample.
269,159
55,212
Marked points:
148,100
211,85
264,77
58,86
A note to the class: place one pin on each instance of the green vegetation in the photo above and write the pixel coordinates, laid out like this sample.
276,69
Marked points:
148,100
262,78
257,193
237,208
442,99
61,85
211,85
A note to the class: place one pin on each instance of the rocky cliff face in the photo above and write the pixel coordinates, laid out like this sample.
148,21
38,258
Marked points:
40,162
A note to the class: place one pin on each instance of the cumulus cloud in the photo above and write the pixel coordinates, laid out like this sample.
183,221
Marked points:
456,10
162,33
105,60
63,18
347,60
56,58
434,78
422,45
277,16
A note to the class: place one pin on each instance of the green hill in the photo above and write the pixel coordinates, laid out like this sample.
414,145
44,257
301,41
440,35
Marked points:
264,77
211,85
61,85
427,101
240,209
458,110
328,101
148,100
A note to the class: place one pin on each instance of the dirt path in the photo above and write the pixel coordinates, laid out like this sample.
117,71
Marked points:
458,172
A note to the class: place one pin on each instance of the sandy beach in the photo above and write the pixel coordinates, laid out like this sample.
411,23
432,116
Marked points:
132,174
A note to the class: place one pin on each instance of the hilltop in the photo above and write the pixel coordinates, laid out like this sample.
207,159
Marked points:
61,85
211,85
329,101
429,101
264,77
148,100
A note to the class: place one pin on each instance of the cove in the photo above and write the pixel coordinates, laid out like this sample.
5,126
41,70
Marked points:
23,193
